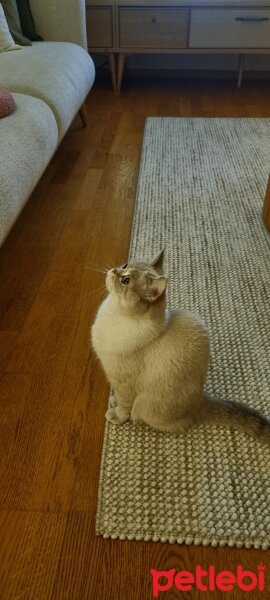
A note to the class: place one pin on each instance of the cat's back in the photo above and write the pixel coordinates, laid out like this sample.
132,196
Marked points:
184,334
186,326
181,350
185,319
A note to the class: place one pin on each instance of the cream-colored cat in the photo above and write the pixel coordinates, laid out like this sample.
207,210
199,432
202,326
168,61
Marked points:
156,360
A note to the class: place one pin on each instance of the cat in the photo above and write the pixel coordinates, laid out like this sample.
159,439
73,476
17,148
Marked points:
156,360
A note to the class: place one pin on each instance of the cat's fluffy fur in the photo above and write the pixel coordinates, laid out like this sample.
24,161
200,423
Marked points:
156,360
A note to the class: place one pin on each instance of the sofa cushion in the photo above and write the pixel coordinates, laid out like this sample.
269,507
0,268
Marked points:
27,21
6,39
13,19
28,139
59,73
61,20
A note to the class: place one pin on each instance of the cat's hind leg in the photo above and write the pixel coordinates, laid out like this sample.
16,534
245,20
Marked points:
143,412
137,411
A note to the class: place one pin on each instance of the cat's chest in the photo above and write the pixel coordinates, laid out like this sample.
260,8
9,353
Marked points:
116,333
112,335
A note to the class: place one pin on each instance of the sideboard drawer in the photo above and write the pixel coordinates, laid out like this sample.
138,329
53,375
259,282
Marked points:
153,27
99,27
230,28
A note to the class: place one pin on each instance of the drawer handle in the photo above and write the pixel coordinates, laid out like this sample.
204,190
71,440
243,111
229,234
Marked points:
154,19
252,19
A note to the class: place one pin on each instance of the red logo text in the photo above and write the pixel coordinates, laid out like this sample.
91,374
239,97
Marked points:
208,580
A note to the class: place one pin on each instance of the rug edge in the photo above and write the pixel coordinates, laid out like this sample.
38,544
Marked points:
188,541
101,479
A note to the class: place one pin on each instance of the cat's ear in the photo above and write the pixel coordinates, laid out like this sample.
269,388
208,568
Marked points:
156,288
157,262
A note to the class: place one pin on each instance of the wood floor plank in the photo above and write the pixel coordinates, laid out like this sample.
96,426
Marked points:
118,569
30,551
13,399
48,335
53,391
71,456
7,343
88,188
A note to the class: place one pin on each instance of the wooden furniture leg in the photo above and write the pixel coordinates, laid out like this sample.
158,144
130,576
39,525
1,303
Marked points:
121,66
112,64
83,114
240,69
266,206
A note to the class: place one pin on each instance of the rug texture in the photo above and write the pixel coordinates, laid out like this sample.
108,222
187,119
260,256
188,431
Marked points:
200,196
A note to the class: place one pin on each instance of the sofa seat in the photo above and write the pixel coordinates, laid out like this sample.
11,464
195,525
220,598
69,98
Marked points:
59,73
26,154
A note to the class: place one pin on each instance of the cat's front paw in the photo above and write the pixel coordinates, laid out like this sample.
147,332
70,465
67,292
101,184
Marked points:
112,401
112,417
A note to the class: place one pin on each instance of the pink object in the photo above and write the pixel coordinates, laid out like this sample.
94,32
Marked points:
7,103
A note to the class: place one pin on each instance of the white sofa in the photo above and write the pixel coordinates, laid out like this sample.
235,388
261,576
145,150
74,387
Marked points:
50,81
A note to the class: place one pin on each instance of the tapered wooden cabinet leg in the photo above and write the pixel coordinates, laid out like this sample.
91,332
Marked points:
83,114
121,66
112,64
266,206
240,69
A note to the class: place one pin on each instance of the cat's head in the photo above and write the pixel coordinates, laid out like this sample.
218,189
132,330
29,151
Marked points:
138,281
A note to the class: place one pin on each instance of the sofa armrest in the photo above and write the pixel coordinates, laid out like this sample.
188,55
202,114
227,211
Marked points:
60,20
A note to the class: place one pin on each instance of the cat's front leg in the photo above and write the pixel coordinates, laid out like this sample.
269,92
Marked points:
120,406
112,399
117,416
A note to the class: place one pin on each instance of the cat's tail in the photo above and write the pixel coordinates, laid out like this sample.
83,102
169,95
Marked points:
237,416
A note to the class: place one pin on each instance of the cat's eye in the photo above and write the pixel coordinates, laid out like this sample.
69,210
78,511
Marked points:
124,266
125,280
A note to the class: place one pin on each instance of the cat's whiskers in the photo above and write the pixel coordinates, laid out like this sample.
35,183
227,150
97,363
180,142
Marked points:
100,291
104,272
109,267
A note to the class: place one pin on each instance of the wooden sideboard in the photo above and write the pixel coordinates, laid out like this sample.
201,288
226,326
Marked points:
119,28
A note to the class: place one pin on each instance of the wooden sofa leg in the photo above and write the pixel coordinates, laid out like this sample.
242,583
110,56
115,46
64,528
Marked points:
240,69
83,114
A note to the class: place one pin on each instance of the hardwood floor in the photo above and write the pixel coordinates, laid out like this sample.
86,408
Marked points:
53,392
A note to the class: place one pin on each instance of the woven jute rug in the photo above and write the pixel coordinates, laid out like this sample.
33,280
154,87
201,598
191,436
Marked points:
200,195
